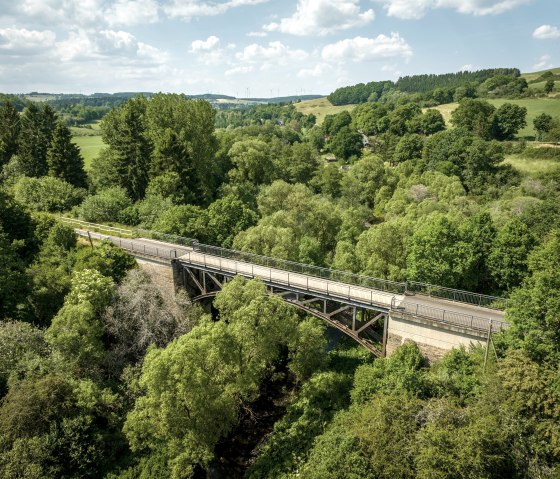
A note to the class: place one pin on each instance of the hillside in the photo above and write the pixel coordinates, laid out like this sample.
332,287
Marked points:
321,107
535,107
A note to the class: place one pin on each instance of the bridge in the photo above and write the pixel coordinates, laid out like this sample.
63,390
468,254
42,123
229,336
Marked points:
369,310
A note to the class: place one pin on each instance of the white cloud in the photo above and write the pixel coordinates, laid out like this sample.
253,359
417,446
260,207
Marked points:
275,51
189,9
359,49
546,31
322,17
257,34
20,41
415,9
239,70
543,62
106,45
317,71
132,12
204,45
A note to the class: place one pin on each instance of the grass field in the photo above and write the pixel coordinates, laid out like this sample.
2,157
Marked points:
90,146
535,106
532,166
534,75
321,107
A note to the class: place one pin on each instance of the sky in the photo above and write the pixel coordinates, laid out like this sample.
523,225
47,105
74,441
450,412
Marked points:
263,48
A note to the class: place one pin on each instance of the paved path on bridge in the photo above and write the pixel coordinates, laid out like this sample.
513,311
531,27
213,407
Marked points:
433,308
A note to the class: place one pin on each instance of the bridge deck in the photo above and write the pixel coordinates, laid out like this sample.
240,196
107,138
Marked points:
432,308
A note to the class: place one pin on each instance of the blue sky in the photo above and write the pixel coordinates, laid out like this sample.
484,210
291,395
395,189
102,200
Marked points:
263,47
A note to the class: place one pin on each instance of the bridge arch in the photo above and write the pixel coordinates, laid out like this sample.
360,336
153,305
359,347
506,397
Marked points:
327,318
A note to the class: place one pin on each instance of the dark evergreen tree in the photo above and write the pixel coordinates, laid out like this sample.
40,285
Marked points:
35,135
9,131
124,130
64,159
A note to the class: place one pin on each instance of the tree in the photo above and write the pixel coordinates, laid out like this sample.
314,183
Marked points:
47,194
14,283
542,124
35,135
534,308
9,131
252,160
227,217
363,181
508,120
346,143
408,148
106,205
438,254
549,86
298,163
129,148
428,123
508,258
475,116
140,317
64,159
182,133
106,259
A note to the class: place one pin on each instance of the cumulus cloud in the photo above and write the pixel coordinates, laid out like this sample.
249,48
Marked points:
274,51
132,12
359,49
545,32
107,44
415,9
20,41
322,17
204,45
189,9
239,70
317,71
543,62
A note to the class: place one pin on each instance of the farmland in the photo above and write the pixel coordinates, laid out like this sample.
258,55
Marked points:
321,107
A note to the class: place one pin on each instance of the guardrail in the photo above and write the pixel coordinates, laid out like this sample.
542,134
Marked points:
396,287
449,317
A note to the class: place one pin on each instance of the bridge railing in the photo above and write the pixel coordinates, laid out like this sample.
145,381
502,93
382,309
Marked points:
457,295
396,287
104,229
445,316
309,270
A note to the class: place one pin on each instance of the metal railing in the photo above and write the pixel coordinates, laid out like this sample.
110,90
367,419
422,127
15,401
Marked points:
446,316
457,295
245,264
396,287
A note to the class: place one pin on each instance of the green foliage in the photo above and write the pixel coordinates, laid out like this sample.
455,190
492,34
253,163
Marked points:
64,159
359,93
363,181
107,205
346,143
47,194
475,116
252,162
402,372
292,438
508,258
439,254
534,308
19,343
13,280
508,120
90,286
9,131
308,351
194,386
124,131
106,259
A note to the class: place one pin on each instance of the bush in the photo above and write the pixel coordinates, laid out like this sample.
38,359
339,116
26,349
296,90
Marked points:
107,205
47,194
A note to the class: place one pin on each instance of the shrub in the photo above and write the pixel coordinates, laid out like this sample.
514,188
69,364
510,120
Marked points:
47,194
107,205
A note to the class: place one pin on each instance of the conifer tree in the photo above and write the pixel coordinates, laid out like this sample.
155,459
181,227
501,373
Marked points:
64,159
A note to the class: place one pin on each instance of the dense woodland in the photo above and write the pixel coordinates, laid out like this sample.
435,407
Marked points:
433,89
103,374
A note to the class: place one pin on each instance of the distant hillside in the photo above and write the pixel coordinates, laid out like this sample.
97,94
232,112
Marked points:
283,99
